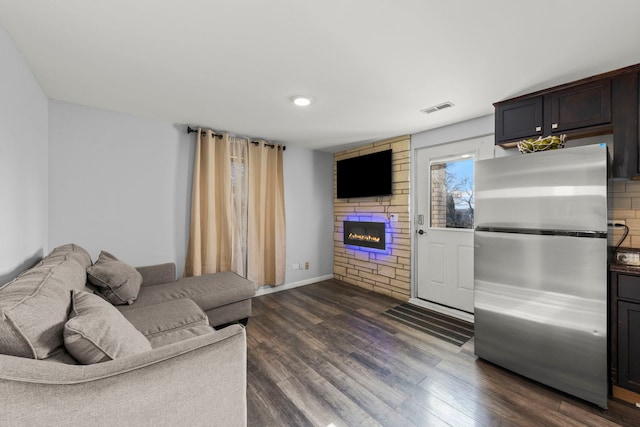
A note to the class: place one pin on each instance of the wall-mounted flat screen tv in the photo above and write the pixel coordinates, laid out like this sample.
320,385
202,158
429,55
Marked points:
365,176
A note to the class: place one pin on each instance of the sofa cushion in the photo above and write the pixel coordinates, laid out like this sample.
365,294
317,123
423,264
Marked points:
229,313
73,251
97,332
208,291
35,305
157,274
117,281
63,357
167,316
170,337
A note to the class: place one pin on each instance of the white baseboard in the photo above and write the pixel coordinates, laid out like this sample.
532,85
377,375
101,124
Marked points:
265,290
458,314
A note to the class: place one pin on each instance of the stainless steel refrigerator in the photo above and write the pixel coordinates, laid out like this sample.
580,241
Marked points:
540,267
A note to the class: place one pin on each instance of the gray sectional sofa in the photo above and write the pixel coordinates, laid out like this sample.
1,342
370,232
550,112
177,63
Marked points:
84,343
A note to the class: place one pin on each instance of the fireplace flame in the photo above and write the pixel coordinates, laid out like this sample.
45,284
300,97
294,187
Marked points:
364,237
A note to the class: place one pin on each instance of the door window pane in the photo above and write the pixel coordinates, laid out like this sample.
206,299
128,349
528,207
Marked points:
452,202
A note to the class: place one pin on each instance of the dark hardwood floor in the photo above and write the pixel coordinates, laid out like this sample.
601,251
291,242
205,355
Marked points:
323,355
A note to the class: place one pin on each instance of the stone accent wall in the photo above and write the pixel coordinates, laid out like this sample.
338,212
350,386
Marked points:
387,272
626,206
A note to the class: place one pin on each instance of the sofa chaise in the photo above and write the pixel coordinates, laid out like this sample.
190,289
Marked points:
102,343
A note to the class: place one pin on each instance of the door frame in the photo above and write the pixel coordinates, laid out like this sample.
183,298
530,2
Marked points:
486,141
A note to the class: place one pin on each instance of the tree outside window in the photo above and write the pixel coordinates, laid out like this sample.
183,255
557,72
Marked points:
452,194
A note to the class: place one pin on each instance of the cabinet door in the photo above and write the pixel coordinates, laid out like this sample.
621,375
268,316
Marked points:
629,346
612,329
520,119
626,122
580,106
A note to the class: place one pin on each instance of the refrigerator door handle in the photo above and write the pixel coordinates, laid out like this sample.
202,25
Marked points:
545,232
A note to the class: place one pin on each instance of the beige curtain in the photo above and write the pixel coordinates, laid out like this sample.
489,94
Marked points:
209,249
239,193
237,209
266,239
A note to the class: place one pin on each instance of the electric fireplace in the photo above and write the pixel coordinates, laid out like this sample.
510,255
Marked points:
367,234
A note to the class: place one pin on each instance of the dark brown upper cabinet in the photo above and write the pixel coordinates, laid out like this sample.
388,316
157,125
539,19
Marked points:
578,107
607,103
626,131
559,111
520,119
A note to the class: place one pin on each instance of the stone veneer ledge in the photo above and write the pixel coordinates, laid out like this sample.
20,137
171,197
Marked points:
388,273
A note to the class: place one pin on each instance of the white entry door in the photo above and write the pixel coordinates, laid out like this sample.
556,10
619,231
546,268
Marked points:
444,221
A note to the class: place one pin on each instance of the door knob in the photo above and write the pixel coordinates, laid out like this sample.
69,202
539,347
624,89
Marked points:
420,231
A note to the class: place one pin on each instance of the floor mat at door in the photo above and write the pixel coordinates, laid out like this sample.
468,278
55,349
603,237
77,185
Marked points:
447,328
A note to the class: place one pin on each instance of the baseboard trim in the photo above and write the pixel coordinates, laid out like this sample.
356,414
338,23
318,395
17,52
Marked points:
265,290
626,395
458,314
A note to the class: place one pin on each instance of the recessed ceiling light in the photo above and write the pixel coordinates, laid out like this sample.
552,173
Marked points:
301,101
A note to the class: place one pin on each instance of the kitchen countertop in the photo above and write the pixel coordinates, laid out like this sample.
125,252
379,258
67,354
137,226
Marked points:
621,268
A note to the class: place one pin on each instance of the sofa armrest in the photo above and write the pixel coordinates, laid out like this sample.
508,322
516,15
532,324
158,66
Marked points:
157,274
199,381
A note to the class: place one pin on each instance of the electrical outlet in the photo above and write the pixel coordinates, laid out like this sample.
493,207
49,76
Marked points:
620,222
393,217
306,265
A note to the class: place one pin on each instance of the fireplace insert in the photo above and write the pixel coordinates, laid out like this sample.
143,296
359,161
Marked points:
367,234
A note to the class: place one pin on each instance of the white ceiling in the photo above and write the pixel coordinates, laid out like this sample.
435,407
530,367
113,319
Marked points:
370,65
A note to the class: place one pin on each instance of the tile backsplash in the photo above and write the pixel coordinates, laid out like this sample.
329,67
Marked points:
626,206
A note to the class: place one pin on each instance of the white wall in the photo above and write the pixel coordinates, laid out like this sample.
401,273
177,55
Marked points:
122,183
473,128
23,164
118,183
308,177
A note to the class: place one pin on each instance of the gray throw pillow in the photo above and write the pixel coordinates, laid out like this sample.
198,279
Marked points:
97,332
117,281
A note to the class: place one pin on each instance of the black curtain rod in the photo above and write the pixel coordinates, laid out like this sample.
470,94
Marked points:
191,130
219,136
269,145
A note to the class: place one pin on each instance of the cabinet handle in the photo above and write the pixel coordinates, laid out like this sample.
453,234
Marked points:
538,128
554,126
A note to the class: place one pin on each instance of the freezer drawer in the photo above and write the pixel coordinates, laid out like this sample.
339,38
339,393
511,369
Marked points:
541,309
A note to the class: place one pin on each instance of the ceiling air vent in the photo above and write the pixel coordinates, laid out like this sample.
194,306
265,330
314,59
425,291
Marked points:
438,107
